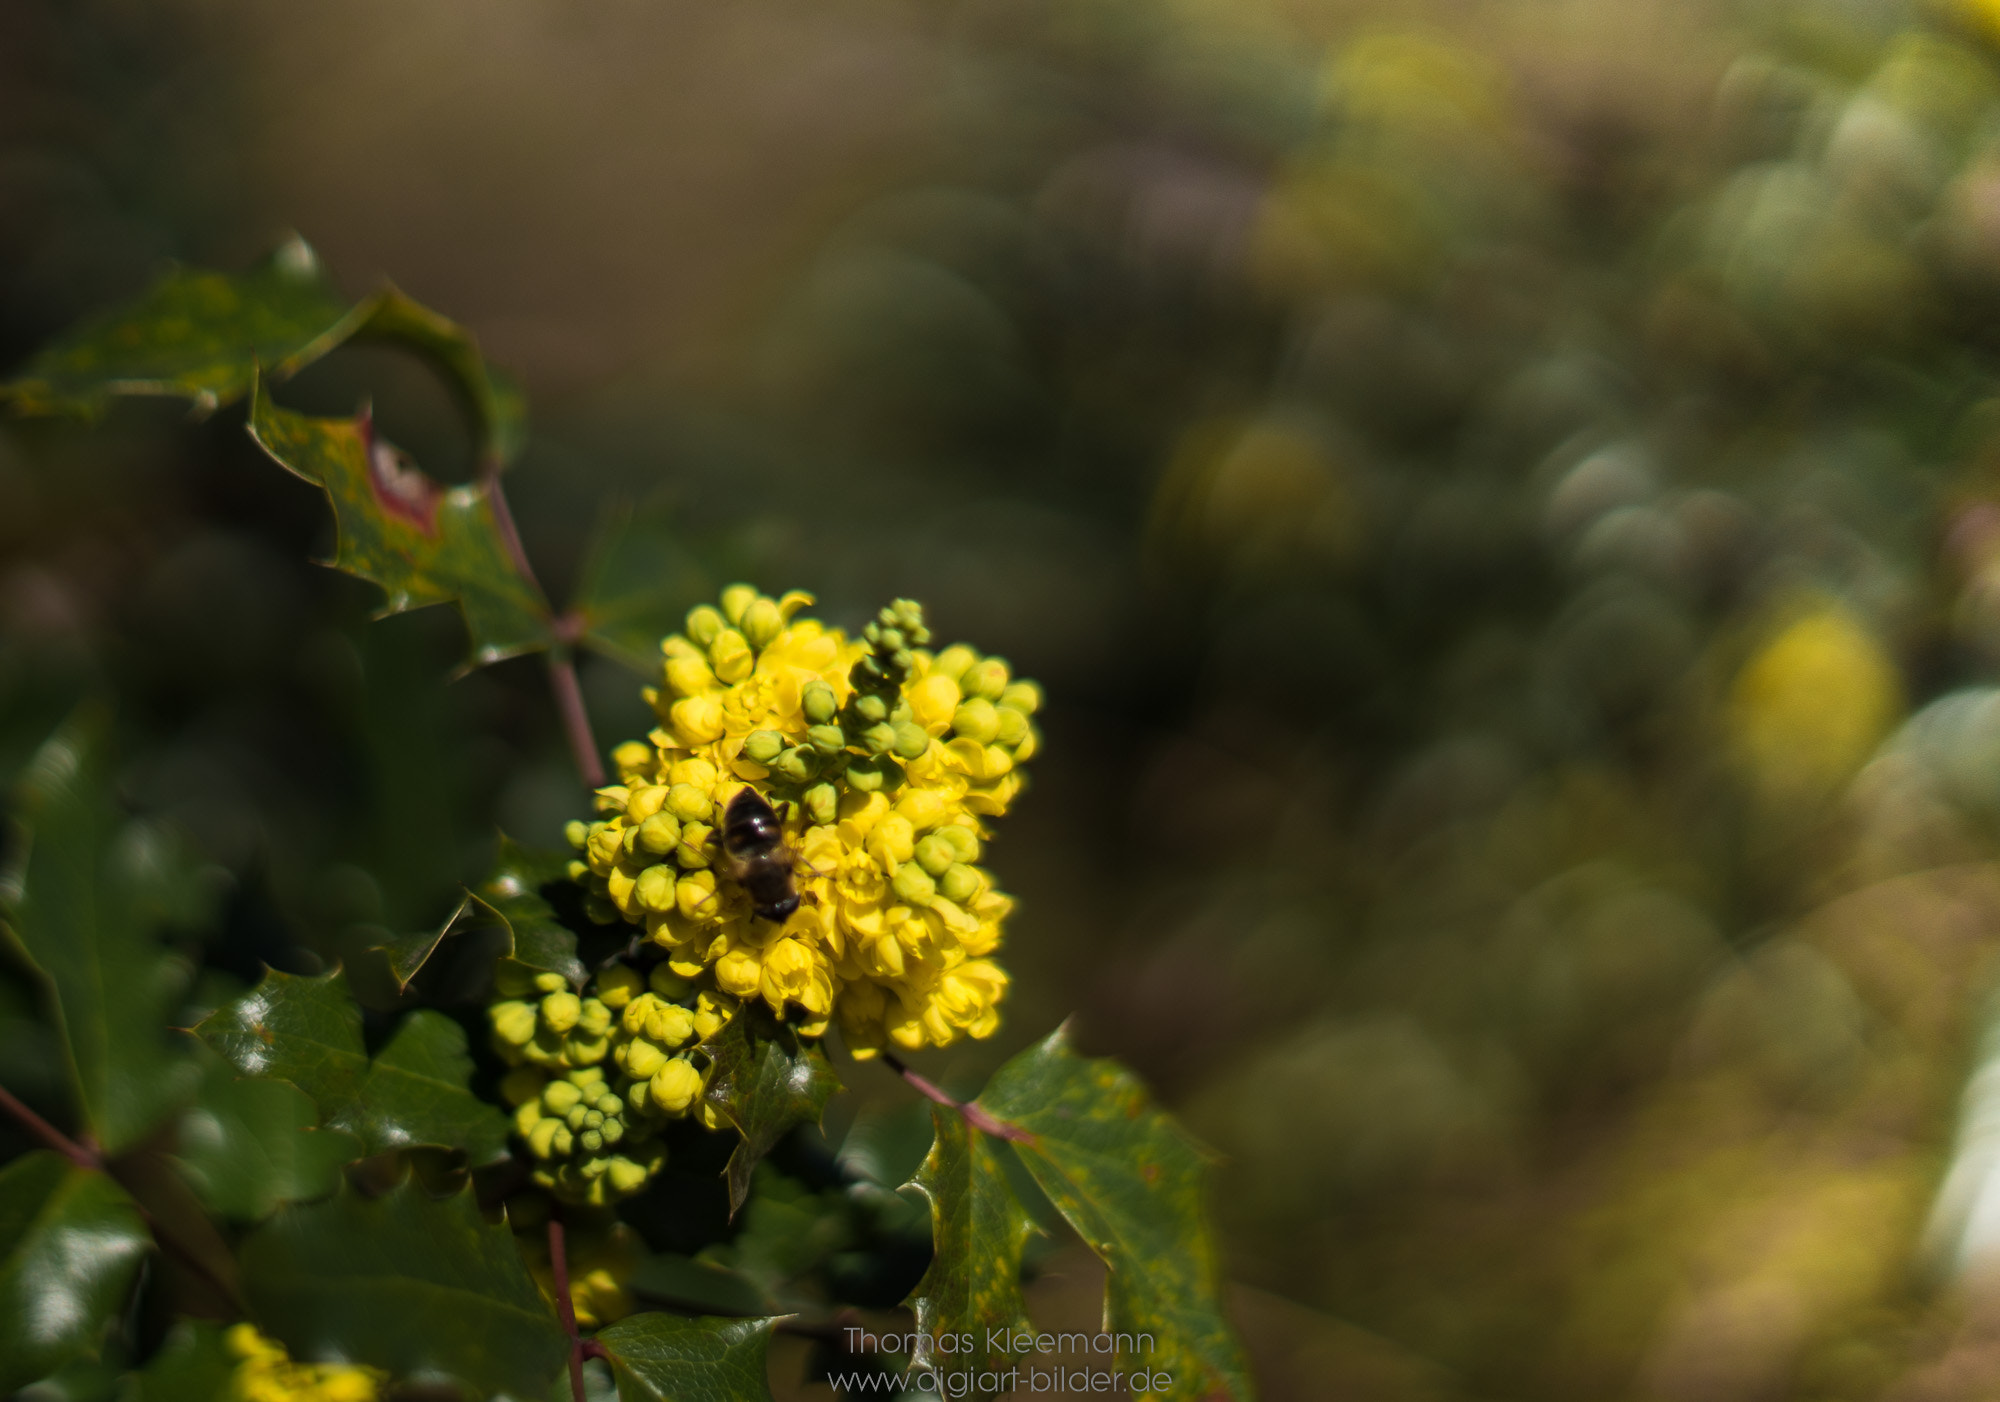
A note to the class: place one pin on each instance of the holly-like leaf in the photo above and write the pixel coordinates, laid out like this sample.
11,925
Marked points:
194,335
636,586
511,897
404,1282
1130,1181
194,1365
973,1287
307,1031
82,900
247,1147
766,1081
422,542
495,400
671,1358
70,1243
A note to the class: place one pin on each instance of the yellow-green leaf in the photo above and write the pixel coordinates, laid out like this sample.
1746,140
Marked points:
422,542
1130,1181
972,1292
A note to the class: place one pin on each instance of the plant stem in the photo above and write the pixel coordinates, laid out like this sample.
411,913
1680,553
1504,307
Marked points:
559,1267
971,1112
562,665
49,1134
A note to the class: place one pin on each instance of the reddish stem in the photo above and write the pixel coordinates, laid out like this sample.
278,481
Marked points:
575,719
559,1265
49,1134
972,1113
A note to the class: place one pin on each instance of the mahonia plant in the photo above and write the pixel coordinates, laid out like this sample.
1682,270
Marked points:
617,1169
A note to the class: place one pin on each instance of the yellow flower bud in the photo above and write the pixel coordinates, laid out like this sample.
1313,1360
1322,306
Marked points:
513,1022
542,1137
689,676
1025,697
655,888
986,678
696,720
561,1010
560,1097
620,886
761,622
925,808
914,885
695,898
935,855
703,623
892,841
595,1019
738,971
976,719
932,702
527,1115
1013,727
674,1086
669,1024
688,803
736,599
603,846
576,832
731,657
642,1059
625,1176
953,661
617,985
692,851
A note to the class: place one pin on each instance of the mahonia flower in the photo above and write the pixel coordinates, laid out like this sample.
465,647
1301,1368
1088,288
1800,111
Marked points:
596,1076
885,763
267,1374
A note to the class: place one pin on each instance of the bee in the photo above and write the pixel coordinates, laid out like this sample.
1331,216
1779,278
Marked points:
755,856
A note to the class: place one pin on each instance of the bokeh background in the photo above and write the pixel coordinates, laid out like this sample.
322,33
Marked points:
1503,496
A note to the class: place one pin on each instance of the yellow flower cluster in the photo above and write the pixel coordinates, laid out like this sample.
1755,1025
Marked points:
885,763
597,1075
267,1374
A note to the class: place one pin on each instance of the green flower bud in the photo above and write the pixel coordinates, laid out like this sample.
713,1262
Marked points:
762,622
542,1138
692,854
613,1131
763,746
592,1118
625,1176
871,708
591,1141
577,871
987,678
954,661
911,739
659,834
577,1116
561,1142
513,1023
609,1104
581,1050
577,832
797,765
962,839
731,657
880,738
960,883
1013,727
735,599
560,1097
873,773
888,640
595,1019
822,804
976,720
821,705
561,1010
935,855
526,1117
703,623
914,884
1025,697
548,981
827,739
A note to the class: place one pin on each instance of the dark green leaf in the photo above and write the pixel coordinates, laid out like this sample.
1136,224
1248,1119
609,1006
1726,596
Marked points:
408,1283
70,1243
510,897
247,1147
766,1081
308,1031
973,1287
637,585
194,335
693,1283
1130,1181
194,1365
669,1358
422,542
83,897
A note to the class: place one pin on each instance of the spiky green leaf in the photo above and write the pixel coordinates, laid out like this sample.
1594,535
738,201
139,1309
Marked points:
767,1079
671,1358
511,898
